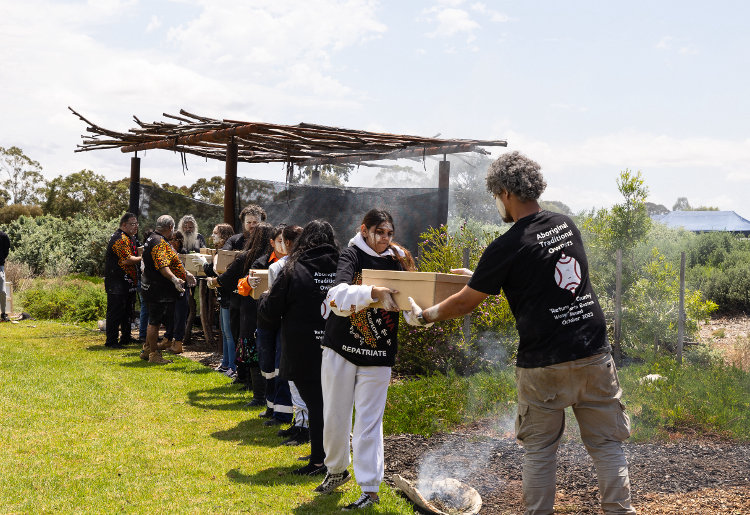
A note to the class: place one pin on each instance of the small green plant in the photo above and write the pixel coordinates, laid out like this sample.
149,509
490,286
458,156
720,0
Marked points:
69,299
719,333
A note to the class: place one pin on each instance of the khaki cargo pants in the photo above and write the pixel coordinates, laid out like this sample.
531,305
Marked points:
590,385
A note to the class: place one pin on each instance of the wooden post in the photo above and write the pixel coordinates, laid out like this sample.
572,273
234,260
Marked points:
681,319
617,344
134,205
444,172
467,318
230,184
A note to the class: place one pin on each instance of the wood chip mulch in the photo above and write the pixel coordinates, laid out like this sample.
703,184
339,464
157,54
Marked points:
684,476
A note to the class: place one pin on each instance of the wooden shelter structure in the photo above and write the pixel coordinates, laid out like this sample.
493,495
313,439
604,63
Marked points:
305,144
234,141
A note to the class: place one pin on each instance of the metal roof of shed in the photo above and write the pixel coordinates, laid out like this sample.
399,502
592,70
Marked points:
705,221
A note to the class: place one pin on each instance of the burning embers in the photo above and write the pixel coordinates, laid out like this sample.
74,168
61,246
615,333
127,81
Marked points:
445,496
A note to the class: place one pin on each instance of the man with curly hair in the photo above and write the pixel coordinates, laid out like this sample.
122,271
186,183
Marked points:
563,354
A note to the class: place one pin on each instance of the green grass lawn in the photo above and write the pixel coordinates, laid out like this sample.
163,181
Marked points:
92,430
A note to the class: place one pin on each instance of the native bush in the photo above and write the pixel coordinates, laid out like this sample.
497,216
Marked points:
651,306
70,299
720,270
54,247
442,347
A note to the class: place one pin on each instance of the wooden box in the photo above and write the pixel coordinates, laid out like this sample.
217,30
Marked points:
263,286
225,259
426,288
208,251
192,263
139,251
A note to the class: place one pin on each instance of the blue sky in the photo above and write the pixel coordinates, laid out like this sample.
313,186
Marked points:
587,88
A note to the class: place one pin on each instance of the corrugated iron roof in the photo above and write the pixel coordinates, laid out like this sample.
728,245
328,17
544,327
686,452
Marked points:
703,221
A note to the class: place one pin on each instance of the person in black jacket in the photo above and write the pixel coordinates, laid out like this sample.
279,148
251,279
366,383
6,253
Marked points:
246,356
359,349
120,280
296,303
4,251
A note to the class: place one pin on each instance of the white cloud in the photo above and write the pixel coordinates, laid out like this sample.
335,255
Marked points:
450,21
153,24
491,14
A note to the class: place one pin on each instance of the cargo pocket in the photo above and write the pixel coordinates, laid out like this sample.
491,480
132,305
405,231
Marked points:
622,430
522,422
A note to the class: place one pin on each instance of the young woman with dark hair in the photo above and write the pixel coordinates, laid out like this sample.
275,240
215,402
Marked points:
246,357
359,349
295,302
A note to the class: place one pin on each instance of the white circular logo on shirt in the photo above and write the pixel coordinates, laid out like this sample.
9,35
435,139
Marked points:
568,273
324,310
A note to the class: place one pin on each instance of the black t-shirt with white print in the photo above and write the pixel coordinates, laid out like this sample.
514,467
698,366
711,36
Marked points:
368,337
541,266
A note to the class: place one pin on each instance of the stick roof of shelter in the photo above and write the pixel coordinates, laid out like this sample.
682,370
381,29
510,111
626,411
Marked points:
303,144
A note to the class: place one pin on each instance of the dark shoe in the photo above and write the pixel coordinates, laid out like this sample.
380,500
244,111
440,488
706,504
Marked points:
364,501
254,403
310,470
332,482
272,422
114,345
302,436
4,317
289,431
304,458
266,414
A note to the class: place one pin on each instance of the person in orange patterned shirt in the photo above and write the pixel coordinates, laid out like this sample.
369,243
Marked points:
163,280
120,280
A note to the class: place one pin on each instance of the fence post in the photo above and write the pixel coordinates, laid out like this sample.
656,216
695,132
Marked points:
467,318
444,173
616,345
230,184
681,319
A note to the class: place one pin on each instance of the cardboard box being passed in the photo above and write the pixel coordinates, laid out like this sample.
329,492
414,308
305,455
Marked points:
225,259
193,264
426,288
263,286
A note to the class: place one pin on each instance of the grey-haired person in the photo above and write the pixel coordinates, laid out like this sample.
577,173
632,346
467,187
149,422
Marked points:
563,354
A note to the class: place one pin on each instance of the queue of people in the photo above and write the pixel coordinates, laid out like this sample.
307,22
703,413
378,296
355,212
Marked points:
320,345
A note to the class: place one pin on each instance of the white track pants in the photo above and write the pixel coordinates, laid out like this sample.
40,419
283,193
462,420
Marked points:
346,385
300,409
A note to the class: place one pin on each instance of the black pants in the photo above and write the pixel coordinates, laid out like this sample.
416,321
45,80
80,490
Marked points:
119,310
311,392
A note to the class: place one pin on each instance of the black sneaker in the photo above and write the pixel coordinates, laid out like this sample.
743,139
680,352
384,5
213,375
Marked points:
332,482
310,470
272,422
254,403
266,414
4,317
302,436
364,501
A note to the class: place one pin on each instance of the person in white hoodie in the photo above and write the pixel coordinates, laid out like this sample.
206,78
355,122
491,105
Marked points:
359,349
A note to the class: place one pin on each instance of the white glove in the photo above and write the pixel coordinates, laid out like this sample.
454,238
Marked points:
412,317
253,281
385,296
462,271
190,279
201,259
178,284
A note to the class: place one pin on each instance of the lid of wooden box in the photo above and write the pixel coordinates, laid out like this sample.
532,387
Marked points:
397,275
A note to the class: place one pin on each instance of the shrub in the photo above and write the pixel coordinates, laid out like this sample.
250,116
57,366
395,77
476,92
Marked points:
65,298
651,306
18,274
443,348
14,211
54,247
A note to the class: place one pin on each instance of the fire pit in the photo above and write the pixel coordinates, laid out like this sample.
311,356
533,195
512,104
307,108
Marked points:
446,496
